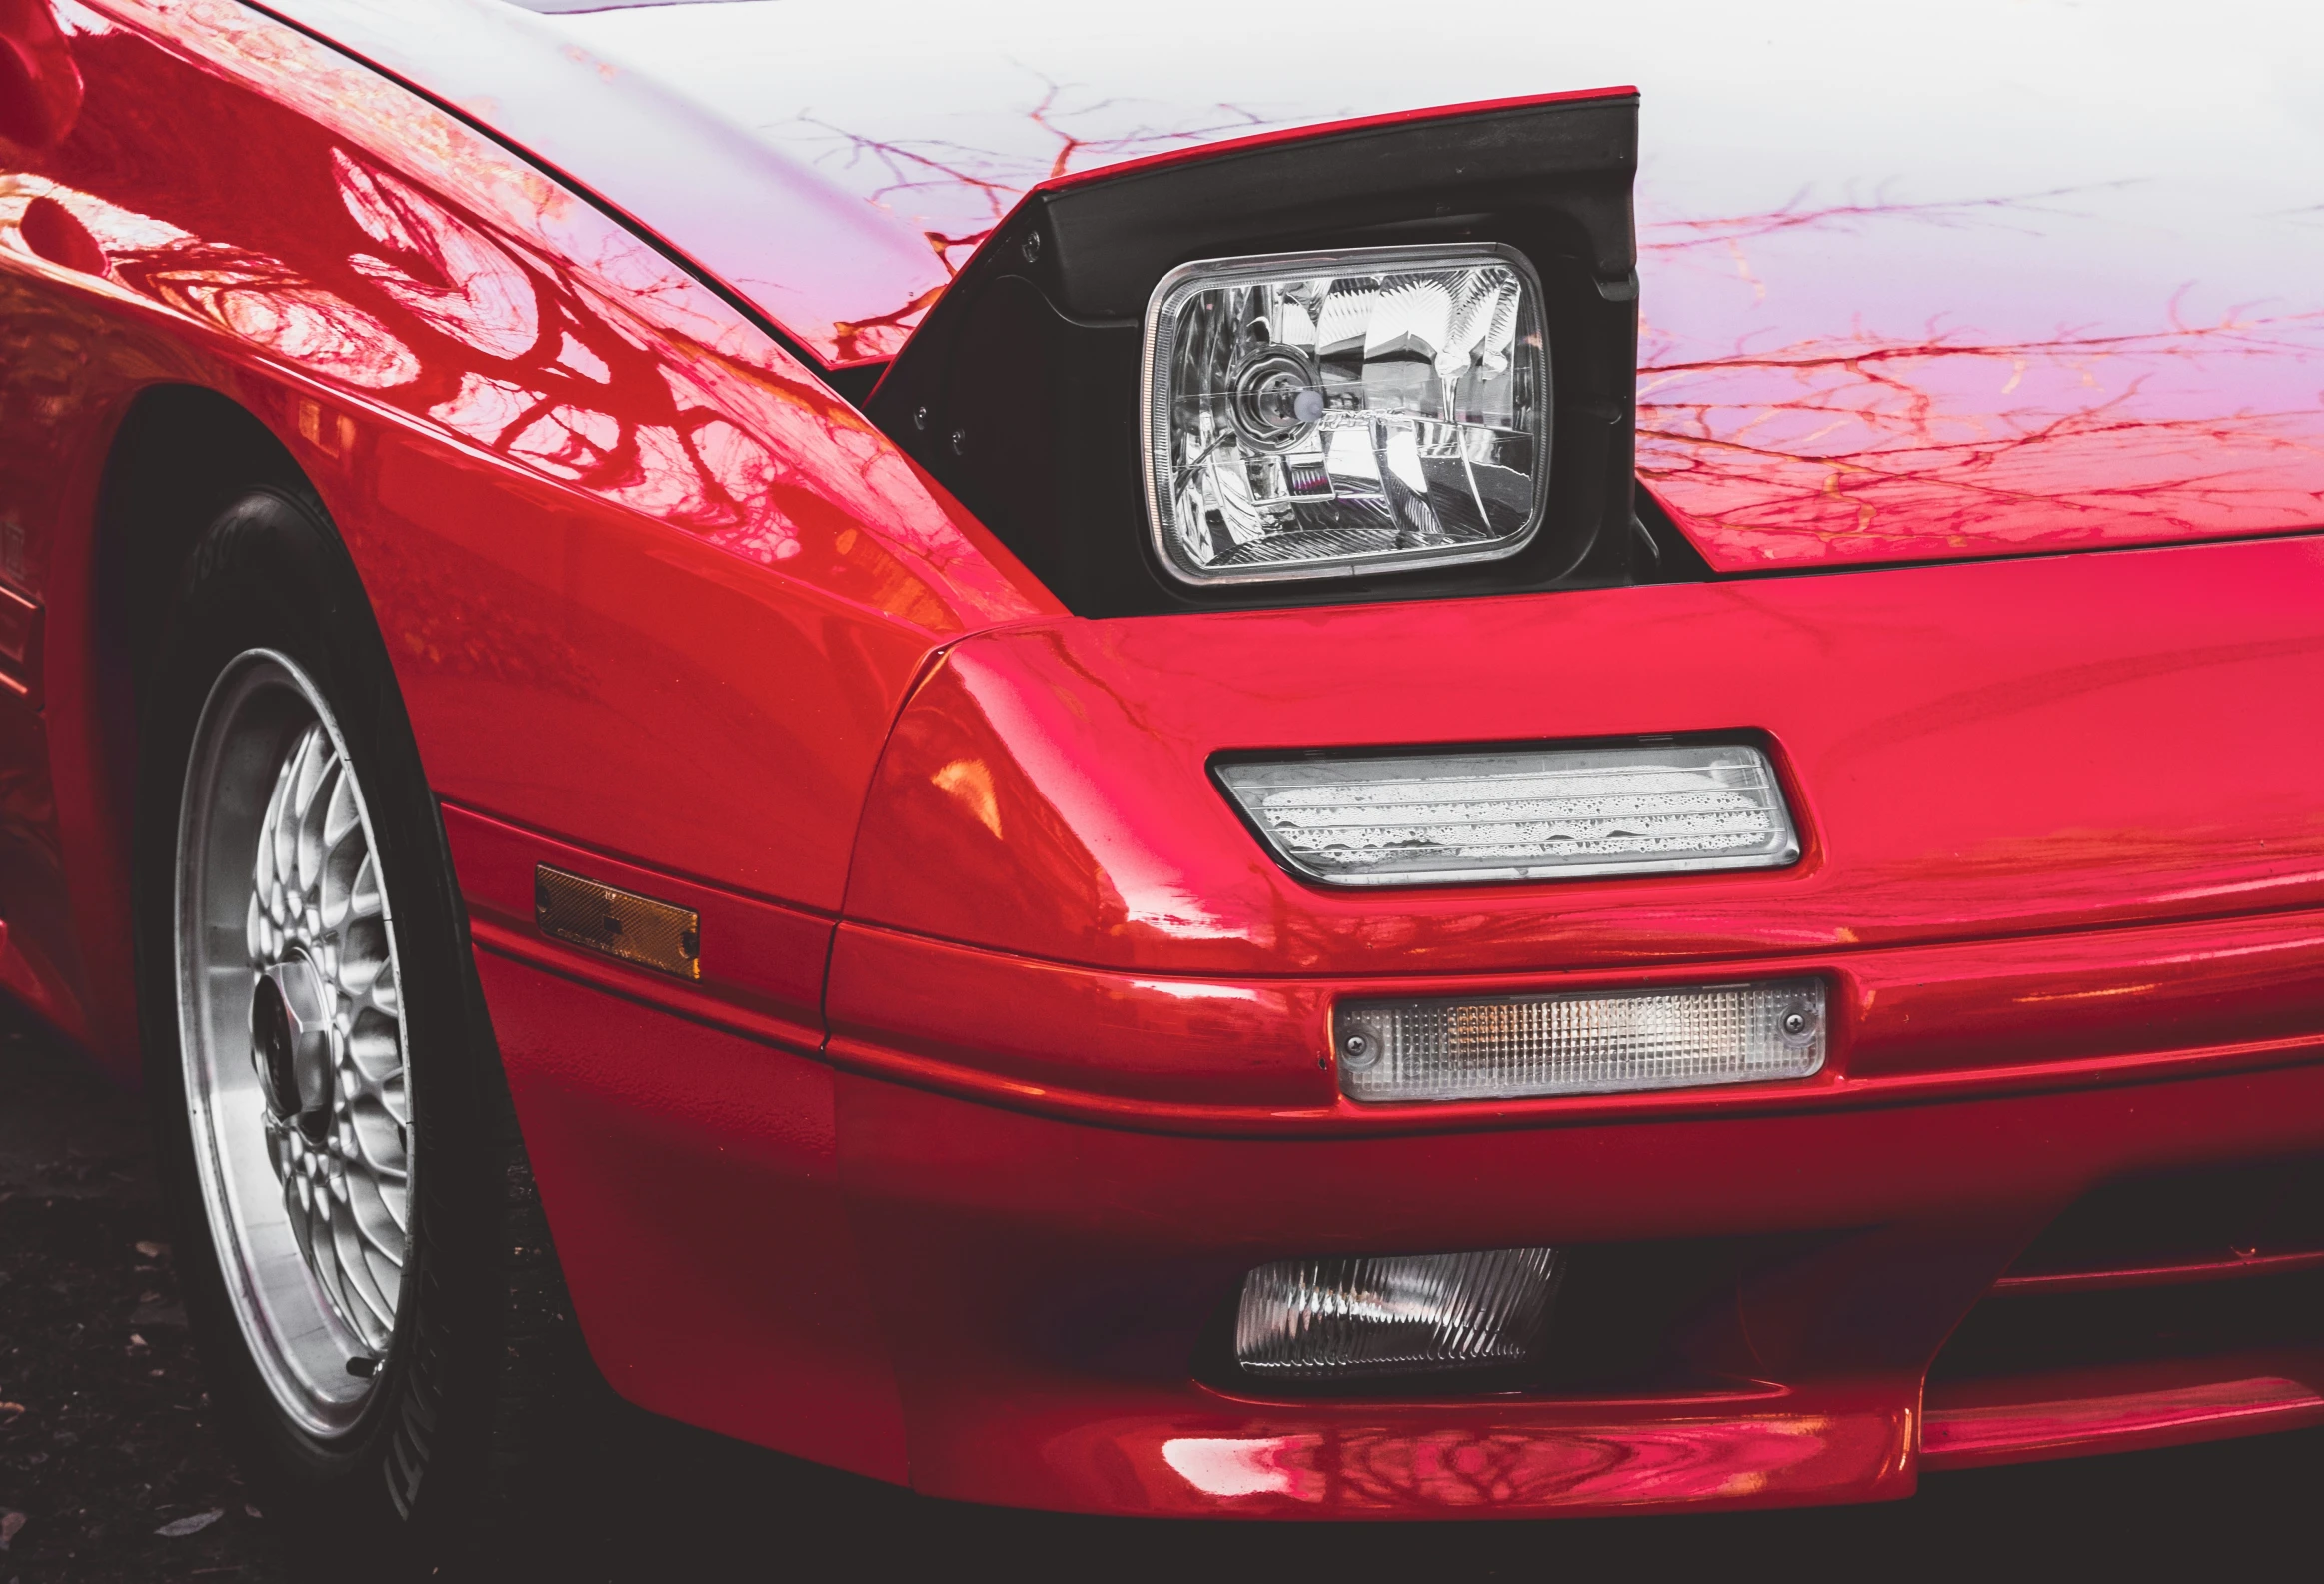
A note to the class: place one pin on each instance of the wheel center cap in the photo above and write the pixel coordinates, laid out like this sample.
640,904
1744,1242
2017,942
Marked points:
290,1043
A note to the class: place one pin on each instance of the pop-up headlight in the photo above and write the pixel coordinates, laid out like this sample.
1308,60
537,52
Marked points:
1298,413
1327,414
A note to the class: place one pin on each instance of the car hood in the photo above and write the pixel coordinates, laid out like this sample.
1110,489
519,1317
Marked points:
2003,277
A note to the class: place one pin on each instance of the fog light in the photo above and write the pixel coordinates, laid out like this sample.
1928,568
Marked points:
1395,1314
1518,815
1598,1043
1324,414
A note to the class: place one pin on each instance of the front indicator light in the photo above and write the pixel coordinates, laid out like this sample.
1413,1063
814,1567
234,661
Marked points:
1545,814
1328,414
1597,1042
1398,1315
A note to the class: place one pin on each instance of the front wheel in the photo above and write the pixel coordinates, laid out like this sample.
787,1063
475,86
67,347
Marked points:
332,1121
291,1043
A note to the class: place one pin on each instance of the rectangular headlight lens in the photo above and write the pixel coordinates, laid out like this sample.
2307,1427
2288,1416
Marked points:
1398,1314
1322,414
1542,813
1597,1042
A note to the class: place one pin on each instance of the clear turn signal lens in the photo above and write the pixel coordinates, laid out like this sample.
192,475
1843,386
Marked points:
1598,1043
1545,814
1398,1314
1325,414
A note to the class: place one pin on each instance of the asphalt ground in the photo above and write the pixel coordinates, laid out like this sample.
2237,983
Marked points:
107,1446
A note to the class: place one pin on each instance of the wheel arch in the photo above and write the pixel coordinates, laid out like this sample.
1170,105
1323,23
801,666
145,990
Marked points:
178,453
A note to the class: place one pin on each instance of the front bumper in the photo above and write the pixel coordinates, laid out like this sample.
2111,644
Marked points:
1047,1285
983,1242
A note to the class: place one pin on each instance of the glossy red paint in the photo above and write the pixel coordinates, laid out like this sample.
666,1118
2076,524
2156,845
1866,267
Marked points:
1251,1056
40,86
2062,320
20,646
1040,1282
604,519
2002,748
2121,1410
803,252
1008,1055
1045,1282
49,229
654,1140
1454,1461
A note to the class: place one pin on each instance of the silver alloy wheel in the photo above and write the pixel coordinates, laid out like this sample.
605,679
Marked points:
290,1023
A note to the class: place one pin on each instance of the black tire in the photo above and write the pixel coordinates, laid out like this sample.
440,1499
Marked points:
482,1323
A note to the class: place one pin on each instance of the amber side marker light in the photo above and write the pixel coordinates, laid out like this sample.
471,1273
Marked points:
633,928
1594,1042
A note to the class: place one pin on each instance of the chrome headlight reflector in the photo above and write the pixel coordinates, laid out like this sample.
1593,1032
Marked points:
1519,815
1327,414
1510,1047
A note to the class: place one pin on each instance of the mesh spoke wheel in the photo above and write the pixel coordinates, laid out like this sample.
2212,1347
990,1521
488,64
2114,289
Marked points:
292,1034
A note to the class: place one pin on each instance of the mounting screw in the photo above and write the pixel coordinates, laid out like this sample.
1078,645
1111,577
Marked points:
920,419
1031,246
1356,1049
1795,1023
960,442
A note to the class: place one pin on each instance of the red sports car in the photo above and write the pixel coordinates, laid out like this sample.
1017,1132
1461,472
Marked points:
1200,759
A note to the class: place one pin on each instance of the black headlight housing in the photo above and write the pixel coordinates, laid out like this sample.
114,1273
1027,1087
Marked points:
1021,390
